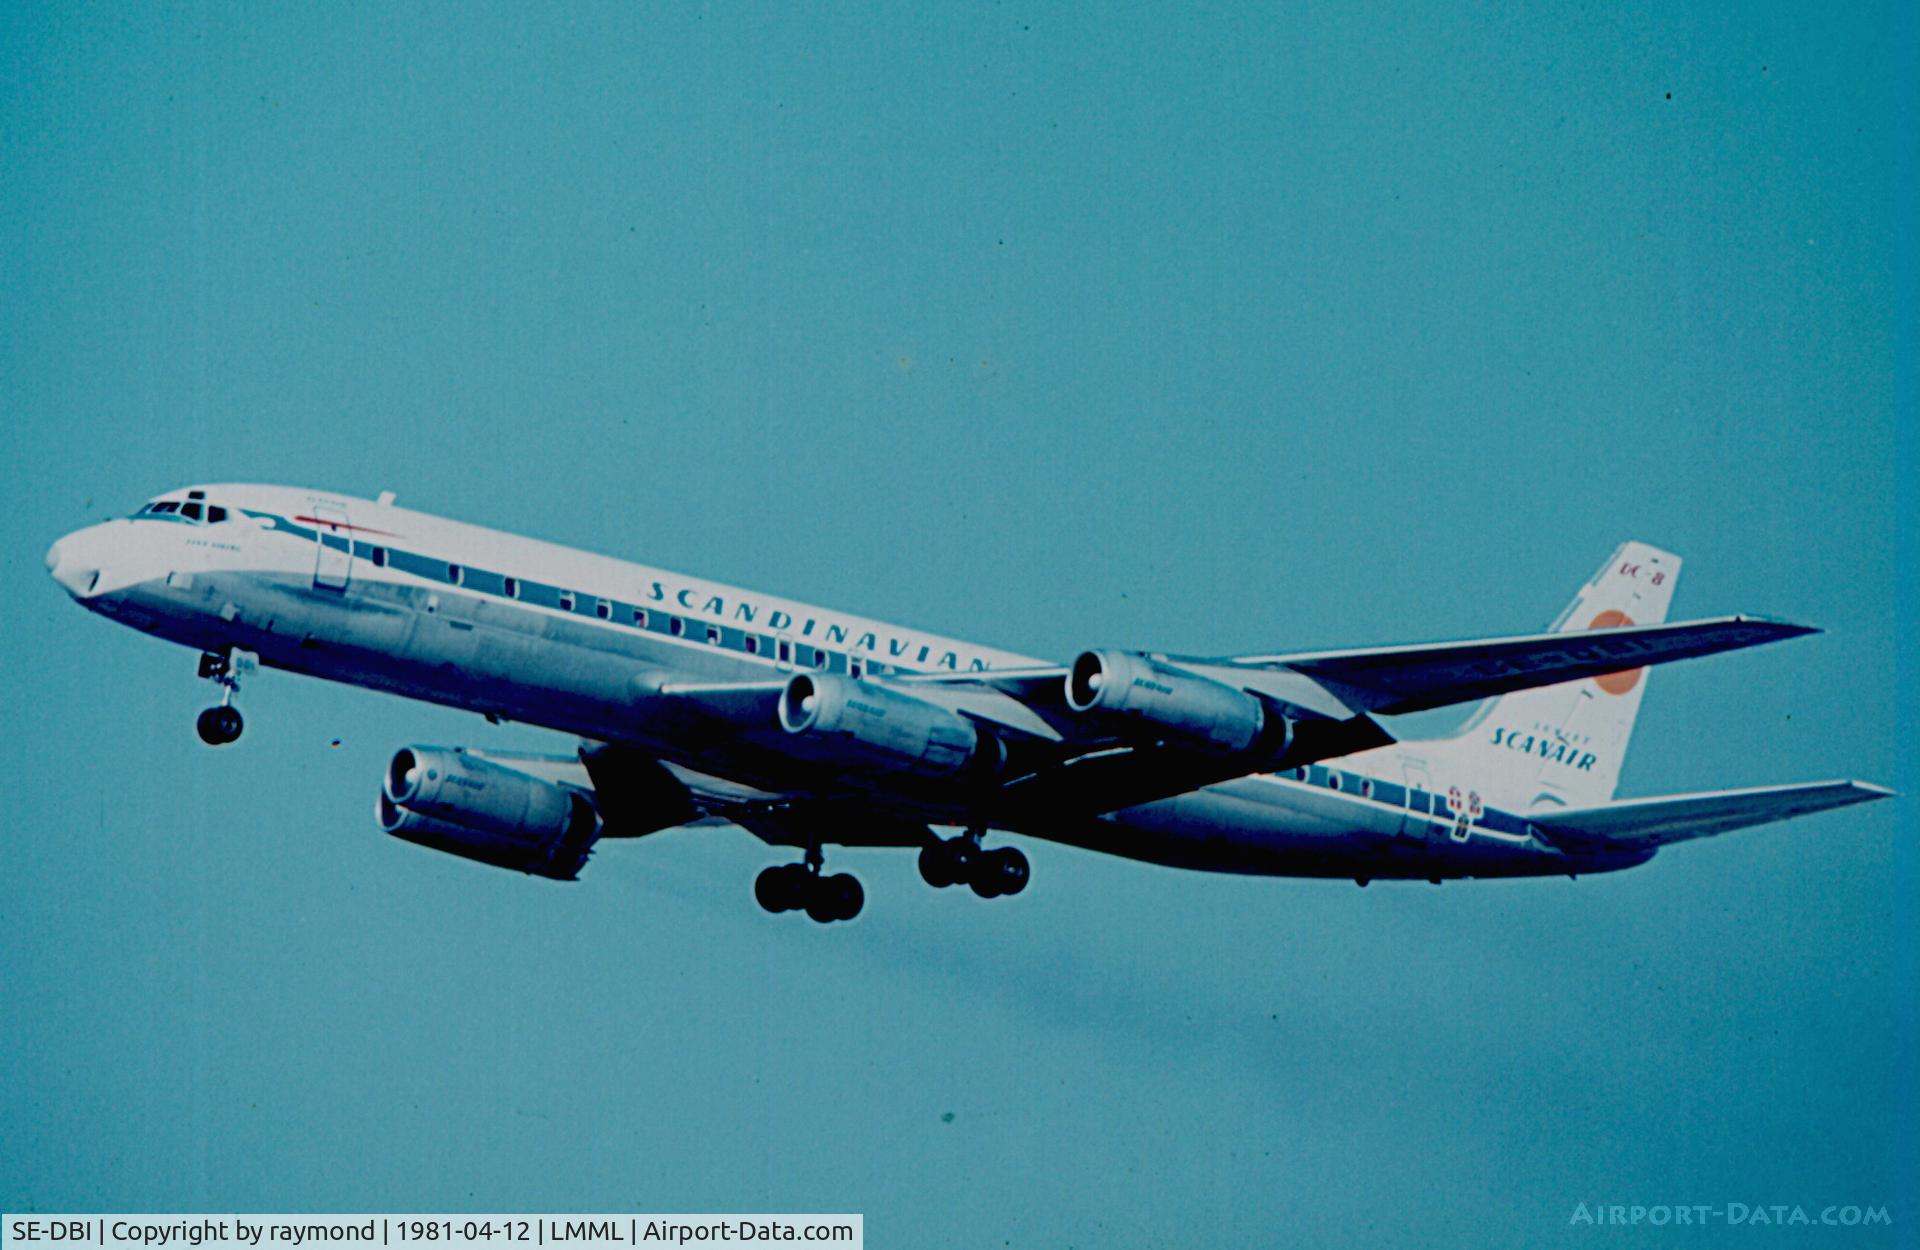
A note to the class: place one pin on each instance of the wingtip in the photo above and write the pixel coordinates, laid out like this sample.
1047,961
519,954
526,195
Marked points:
1783,627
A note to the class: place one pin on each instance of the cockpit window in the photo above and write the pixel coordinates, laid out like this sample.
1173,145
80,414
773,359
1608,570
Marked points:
191,510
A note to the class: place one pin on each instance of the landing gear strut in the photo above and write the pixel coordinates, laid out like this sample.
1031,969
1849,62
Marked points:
802,887
222,723
962,861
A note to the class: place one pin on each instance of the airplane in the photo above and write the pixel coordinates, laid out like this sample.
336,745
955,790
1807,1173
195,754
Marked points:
699,703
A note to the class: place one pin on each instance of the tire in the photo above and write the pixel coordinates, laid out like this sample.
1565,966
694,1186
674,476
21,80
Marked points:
219,725
770,889
820,902
999,873
844,894
936,865
1010,869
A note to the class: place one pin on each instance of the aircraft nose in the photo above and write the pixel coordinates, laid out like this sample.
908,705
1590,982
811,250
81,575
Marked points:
76,576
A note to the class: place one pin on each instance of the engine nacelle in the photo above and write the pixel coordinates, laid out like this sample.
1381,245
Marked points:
889,729
465,805
1192,710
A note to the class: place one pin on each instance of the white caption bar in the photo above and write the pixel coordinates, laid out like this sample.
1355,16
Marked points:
424,1232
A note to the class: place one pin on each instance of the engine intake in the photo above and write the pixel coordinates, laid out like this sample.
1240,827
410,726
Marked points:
469,806
1177,705
889,729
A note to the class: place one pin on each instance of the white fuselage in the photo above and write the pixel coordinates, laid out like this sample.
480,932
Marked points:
376,595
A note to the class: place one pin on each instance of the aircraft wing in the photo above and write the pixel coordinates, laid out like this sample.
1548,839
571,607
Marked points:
1645,823
1395,680
1335,695
1391,681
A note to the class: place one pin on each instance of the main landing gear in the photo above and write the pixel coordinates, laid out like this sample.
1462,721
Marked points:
962,861
802,887
222,723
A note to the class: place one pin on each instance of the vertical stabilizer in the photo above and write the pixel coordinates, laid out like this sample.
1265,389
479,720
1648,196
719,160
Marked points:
1563,745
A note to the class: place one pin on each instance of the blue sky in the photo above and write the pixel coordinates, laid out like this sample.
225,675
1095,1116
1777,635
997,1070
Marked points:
1242,330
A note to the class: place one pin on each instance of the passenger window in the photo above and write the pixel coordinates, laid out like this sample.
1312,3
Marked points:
566,601
783,651
1333,780
753,644
853,669
215,514
640,617
713,635
379,557
676,626
603,610
820,658
454,574
191,512
513,587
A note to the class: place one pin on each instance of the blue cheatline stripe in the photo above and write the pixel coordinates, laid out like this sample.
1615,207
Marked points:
620,612
646,619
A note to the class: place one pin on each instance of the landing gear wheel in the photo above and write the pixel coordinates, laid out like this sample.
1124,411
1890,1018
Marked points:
950,861
1008,869
782,887
984,880
957,861
936,865
802,887
220,725
838,897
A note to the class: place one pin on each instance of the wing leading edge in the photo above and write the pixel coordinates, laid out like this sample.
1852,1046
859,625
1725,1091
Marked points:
1395,680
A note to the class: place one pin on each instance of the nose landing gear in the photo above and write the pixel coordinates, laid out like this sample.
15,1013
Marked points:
802,887
962,861
222,723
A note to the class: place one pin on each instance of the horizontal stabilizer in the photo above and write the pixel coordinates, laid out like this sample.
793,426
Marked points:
1395,680
1646,823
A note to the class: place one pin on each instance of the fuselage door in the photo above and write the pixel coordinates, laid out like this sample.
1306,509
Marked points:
1419,800
333,552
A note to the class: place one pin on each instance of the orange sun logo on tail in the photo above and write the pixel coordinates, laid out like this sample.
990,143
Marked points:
1615,683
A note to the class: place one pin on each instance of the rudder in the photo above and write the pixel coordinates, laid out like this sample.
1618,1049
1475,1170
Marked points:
1562,746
